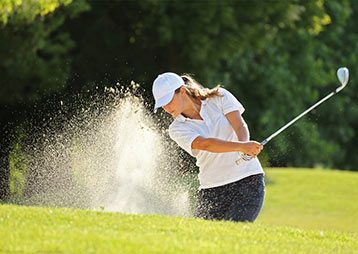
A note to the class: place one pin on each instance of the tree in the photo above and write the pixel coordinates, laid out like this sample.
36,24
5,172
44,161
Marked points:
338,45
34,61
267,53
292,70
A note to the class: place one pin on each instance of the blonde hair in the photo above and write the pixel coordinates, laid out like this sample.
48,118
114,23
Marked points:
197,91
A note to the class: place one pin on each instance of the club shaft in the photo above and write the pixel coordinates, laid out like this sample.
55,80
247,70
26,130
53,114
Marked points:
299,116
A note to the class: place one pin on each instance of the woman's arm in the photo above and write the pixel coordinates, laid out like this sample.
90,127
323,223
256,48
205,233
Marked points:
239,125
215,145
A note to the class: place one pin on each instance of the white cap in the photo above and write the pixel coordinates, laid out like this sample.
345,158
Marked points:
164,87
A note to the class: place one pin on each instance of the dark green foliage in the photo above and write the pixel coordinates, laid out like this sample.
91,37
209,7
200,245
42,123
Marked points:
277,57
35,60
35,52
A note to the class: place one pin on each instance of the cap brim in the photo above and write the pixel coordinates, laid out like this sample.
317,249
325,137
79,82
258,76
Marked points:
163,101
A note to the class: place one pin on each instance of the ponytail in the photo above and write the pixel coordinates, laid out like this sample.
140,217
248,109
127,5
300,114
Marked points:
197,91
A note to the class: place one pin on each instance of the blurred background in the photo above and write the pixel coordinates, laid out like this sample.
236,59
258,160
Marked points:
277,57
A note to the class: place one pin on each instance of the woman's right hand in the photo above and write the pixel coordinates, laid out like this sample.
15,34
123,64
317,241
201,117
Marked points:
251,148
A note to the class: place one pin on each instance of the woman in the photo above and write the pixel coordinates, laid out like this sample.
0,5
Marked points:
209,126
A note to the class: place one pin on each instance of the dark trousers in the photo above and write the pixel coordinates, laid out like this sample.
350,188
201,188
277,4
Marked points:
237,201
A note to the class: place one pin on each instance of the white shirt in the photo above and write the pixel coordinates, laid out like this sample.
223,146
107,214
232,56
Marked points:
216,169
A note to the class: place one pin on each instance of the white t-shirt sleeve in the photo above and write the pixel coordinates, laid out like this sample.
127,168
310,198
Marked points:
229,103
184,137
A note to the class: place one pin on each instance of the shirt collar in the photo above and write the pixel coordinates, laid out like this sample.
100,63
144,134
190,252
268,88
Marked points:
180,118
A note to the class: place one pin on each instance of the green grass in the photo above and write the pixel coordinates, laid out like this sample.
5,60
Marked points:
312,199
320,205
44,230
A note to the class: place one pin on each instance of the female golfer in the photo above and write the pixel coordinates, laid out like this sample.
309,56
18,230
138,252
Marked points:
208,125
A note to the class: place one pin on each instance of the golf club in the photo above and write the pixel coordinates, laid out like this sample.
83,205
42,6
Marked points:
343,77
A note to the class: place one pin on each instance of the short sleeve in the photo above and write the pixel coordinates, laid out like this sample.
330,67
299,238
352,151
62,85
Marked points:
184,137
229,103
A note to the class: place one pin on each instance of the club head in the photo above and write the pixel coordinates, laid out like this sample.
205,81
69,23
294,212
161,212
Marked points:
343,76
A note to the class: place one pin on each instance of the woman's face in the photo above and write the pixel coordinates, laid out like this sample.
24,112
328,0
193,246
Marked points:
176,106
